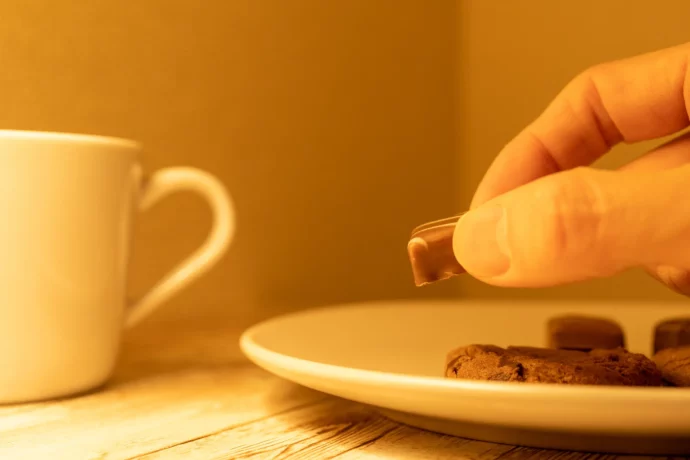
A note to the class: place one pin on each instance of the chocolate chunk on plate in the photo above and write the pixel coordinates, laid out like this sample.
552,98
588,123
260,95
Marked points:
580,332
671,333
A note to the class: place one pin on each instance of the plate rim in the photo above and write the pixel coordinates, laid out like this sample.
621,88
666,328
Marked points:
545,391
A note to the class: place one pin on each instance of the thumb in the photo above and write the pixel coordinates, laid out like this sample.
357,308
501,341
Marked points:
577,224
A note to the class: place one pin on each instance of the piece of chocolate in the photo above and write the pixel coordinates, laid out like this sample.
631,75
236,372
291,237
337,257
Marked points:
671,333
579,332
431,252
674,364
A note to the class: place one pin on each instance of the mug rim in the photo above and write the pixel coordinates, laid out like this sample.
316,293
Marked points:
64,136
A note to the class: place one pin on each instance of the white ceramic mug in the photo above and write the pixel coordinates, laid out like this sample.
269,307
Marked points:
67,202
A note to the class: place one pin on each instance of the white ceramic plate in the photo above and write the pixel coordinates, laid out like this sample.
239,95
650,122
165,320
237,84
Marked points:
391,355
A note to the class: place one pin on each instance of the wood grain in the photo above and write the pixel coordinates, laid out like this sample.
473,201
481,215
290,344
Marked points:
185,391
133,418
329,429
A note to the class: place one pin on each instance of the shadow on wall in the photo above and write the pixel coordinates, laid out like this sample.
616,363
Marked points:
334,125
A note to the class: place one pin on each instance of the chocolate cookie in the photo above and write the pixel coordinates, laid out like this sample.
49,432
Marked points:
671,333
546,365
577,332
674,364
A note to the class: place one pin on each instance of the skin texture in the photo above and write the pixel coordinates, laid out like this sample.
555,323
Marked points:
542,217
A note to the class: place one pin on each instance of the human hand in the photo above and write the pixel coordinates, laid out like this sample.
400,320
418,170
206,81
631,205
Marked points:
540,217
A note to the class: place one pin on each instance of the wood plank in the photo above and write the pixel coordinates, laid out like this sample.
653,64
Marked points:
313,432
331,429
344,430
411,444
132,418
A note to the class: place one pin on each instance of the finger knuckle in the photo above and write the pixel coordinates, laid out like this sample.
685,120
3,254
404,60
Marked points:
584,79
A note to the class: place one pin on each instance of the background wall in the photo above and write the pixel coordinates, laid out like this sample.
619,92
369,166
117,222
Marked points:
337,126
330,122
513,58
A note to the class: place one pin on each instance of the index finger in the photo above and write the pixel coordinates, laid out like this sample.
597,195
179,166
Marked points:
635,99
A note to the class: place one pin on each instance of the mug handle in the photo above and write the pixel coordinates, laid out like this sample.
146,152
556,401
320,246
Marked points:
161,184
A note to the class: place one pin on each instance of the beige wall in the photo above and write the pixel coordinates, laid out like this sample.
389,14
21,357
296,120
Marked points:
330,122
514,57
333,124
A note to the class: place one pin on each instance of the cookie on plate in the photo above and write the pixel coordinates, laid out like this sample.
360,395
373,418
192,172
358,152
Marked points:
580,332
674,364
547,365
671,333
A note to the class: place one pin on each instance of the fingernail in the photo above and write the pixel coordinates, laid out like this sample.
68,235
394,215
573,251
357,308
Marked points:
480,242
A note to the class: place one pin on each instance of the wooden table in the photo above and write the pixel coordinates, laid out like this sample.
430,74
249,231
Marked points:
183,390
